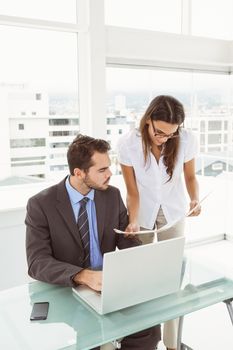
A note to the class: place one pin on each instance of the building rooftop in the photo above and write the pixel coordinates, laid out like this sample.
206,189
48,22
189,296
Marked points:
19,180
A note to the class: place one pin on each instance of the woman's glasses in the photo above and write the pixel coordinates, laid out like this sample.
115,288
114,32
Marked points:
160,134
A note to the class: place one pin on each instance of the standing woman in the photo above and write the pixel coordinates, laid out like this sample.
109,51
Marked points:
153,160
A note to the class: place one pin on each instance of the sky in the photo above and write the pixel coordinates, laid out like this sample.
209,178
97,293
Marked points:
39,58
122,79
55,10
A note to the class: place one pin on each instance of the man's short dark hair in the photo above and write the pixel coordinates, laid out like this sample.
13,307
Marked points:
81,150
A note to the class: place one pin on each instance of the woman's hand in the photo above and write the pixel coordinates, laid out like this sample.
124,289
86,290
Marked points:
131,228
195,204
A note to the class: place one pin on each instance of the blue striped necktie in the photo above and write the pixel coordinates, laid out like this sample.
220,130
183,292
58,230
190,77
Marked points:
83,228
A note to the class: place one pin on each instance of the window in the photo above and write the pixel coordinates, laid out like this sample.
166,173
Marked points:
44,9
116,119
160,15
214,149
214,139
58,167
215,125
202,139
219,14
39,84
42,176
63,133
27,164
206,101
59,144
32,93
57,156
217,166
202,150
63,121
38,97
27,158
202,125
21,143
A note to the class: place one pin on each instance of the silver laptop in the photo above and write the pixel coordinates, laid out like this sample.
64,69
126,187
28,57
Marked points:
135,275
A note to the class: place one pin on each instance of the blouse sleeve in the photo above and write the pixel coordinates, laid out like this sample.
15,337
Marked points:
123,152
191,149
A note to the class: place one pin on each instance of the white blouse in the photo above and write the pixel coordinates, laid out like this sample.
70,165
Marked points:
152,180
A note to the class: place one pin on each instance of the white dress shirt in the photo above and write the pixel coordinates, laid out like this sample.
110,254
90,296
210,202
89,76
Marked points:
152,179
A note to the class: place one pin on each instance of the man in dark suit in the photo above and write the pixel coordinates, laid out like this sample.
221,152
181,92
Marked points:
70,227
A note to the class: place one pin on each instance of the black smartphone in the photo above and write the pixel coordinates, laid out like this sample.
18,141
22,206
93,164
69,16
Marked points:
39,311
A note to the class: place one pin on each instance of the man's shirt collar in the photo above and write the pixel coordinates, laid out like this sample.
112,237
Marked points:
75,195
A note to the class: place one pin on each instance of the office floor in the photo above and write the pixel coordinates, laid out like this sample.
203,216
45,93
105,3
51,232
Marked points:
210,328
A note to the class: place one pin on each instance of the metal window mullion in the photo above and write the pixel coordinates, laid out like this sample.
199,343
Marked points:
41,24
186,17
91,63
116,62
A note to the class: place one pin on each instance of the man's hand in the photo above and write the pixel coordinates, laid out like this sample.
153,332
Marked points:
92,279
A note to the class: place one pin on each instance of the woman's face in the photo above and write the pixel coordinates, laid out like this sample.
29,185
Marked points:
160,131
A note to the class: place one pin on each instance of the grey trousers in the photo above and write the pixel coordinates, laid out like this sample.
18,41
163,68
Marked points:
170,327
144,340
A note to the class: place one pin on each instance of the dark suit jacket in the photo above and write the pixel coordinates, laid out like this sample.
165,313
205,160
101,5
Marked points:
53,244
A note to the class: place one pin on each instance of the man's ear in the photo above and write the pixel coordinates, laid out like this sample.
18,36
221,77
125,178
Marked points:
79,173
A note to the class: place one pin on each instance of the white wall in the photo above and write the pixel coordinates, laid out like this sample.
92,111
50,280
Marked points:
165,49
5,165
13,267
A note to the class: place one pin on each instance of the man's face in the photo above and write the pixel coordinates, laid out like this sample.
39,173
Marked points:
99,174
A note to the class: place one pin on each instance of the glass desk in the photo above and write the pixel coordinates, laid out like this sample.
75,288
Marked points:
71,325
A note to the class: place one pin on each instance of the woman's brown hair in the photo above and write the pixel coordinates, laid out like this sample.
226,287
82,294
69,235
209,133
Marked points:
170,110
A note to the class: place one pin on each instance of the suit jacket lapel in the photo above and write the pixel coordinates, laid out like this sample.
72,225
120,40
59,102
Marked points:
100,213
65,209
